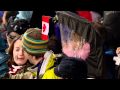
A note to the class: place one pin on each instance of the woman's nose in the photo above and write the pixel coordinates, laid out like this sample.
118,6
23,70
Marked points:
21,52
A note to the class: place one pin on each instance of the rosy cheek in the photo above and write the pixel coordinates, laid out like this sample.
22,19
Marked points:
26,59
15,59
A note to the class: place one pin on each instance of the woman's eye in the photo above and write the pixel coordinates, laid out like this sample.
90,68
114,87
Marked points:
17,49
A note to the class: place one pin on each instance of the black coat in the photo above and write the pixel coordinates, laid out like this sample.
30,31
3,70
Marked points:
111,22
70,68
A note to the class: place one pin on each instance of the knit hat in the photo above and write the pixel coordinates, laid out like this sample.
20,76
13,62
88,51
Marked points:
18,26
32,42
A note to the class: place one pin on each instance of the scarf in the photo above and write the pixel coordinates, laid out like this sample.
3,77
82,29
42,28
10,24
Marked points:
14,69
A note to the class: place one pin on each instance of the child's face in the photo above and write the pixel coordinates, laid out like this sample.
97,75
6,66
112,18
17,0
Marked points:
19,55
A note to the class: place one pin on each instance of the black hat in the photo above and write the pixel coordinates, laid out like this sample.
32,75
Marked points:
18,26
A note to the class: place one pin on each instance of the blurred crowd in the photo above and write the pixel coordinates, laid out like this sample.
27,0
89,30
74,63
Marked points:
59,44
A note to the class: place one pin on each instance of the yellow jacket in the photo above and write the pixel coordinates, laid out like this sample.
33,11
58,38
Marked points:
49,74
47,68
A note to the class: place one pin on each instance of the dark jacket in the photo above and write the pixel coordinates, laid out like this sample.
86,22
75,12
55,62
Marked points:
111,22
71,68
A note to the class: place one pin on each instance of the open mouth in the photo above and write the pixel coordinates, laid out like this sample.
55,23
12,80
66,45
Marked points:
20,58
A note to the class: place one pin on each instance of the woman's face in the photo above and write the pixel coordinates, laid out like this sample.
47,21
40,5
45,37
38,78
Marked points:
19,55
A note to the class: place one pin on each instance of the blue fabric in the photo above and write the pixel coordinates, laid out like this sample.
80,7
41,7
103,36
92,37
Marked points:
3,57
3,65
3,44
57,32
109,52
1,13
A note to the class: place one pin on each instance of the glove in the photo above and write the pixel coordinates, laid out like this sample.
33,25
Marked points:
71,68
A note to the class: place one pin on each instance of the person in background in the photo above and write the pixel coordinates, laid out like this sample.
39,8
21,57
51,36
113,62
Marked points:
15,28
27,15
3,65
7,15
111,23
3,56
91,16
117,63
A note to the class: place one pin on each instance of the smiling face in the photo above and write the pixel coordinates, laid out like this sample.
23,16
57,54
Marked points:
19,55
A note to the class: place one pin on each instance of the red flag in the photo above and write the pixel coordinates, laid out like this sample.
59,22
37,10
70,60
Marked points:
45,27
90,15
85,14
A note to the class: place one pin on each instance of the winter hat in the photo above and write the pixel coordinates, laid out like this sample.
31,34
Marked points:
18,26
32,42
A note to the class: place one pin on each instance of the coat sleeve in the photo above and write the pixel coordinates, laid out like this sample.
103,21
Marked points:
69,68
49,74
